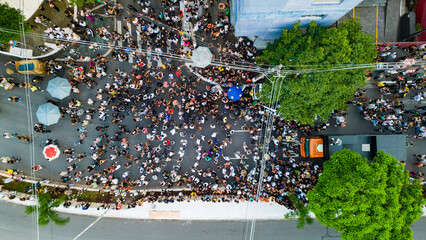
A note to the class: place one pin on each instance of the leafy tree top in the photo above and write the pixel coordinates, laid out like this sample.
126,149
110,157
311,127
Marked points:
344,44
366,200
311,96
11,18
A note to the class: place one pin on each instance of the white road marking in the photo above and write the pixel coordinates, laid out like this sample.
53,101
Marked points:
93,223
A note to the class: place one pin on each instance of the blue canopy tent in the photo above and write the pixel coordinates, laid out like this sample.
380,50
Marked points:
48,114
235,93
59,88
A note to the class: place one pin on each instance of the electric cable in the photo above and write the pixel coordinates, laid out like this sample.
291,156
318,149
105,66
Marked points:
252,67
30,129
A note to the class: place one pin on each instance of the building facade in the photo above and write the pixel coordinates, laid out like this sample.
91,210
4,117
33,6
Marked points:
267,18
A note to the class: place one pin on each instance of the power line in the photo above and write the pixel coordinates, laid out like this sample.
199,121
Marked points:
266,140
30,128
297,69
177,57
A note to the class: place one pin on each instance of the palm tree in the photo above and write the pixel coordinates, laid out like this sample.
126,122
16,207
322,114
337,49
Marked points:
301,212
46,213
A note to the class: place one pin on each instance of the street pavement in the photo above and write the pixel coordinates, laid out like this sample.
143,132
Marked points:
357,125
15,225
14,119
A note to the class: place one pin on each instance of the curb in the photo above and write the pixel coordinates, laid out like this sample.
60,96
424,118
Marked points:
28,180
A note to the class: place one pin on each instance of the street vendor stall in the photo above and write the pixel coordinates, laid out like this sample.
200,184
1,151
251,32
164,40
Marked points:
31,67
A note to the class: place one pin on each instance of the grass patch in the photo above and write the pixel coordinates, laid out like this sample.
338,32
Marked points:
18,186
90,196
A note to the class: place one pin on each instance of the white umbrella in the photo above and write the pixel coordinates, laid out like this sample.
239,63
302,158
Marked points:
59,88
48,114
202,57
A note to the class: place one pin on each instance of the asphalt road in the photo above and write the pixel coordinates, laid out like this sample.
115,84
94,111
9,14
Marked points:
15,225
14,119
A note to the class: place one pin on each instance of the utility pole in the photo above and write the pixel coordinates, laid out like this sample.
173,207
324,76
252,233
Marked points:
262,75
276,92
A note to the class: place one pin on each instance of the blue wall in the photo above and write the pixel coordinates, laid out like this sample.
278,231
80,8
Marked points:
268,18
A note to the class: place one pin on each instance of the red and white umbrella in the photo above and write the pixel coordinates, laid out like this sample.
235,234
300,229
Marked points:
408,62
51,152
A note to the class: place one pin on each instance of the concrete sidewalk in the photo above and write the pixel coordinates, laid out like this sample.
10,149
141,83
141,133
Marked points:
193,210
188,210
23,54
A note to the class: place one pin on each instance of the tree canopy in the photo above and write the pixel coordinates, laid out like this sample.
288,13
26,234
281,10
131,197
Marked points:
46,213
366,200
11,18
313,96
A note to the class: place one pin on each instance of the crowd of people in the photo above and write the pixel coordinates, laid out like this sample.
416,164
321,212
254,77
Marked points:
170,117
390,114
154,125
157,127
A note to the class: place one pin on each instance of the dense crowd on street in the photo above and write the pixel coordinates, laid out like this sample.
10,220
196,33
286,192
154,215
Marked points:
160,113
148,117
390,114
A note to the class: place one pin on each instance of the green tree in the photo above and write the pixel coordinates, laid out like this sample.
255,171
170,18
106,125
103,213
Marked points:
10,19
366,200
82,2
301,212
46,213
307,97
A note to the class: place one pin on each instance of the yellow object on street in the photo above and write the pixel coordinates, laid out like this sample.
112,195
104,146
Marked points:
9,71
32,87
31,67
